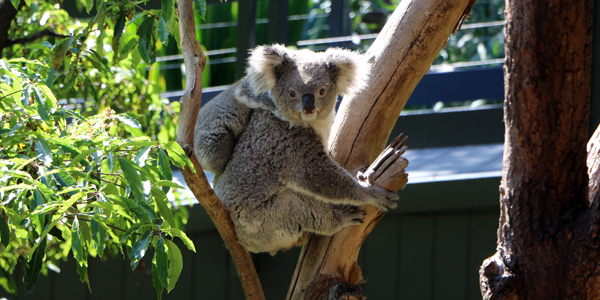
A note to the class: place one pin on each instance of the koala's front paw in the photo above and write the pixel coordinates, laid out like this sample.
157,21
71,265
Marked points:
382,198
349,215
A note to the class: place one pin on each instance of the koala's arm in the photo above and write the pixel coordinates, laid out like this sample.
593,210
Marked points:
218,126
314,173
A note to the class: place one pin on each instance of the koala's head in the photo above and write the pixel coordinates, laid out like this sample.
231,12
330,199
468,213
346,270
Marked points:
304,84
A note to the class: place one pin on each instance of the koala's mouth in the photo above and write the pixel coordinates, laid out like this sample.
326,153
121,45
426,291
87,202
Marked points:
309,116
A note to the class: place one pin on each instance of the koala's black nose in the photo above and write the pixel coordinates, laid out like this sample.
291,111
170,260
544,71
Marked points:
308,103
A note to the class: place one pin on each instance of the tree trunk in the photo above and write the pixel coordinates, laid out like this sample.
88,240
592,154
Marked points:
547,239
400,56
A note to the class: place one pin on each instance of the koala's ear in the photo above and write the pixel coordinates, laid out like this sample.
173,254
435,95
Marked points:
349,68
261,66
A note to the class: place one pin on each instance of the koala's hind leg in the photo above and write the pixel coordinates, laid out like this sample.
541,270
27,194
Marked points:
323,218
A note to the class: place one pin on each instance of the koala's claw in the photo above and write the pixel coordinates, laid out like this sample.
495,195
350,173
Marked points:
383,198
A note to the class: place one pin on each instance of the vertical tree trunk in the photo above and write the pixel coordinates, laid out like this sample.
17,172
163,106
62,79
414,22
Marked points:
547,247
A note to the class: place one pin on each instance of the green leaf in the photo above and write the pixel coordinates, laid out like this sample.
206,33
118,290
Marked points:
200,8
166,7
164,167
156,281
83,276
180,234
64,179
77,245
133,178
173,25
142,155
15,4
129,232
139,249
143,214
120,24
44,152
110,159
162,262
110,207
161,202
177,155
50,99
168,183
163,34
80,157
4,232
138,141
38,221
18,186
41,107
175,265
89,4
99,234
127,48
7,281
34,266
59,52
132,125
146,46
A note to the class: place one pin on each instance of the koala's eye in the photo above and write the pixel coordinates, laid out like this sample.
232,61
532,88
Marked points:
292,94
322,92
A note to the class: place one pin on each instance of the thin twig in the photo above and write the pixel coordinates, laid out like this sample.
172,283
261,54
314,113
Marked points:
107,181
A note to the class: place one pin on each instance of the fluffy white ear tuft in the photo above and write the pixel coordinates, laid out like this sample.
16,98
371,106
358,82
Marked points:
352,70
261,66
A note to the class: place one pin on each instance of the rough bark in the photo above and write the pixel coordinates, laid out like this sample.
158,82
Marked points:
400,57
547,239
190,105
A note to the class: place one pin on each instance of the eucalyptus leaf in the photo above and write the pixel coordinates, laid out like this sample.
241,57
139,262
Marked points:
44,152
162,262
99,235
4,233
139,249
133,178
184,238
34,266
142,155
158,286
175,264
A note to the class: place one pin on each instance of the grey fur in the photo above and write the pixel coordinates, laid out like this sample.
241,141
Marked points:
267,149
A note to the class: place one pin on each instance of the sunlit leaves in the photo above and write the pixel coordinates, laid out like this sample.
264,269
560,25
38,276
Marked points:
79,186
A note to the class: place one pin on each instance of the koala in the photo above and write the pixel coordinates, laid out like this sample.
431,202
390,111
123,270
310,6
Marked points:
265,139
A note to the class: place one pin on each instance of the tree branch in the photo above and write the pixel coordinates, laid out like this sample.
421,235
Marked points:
195,61
400,56
29,39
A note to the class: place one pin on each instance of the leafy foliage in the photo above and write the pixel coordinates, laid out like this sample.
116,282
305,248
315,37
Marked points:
105,63
73,184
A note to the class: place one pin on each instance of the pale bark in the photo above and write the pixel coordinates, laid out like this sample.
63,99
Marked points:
548,234
400,56
190,105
